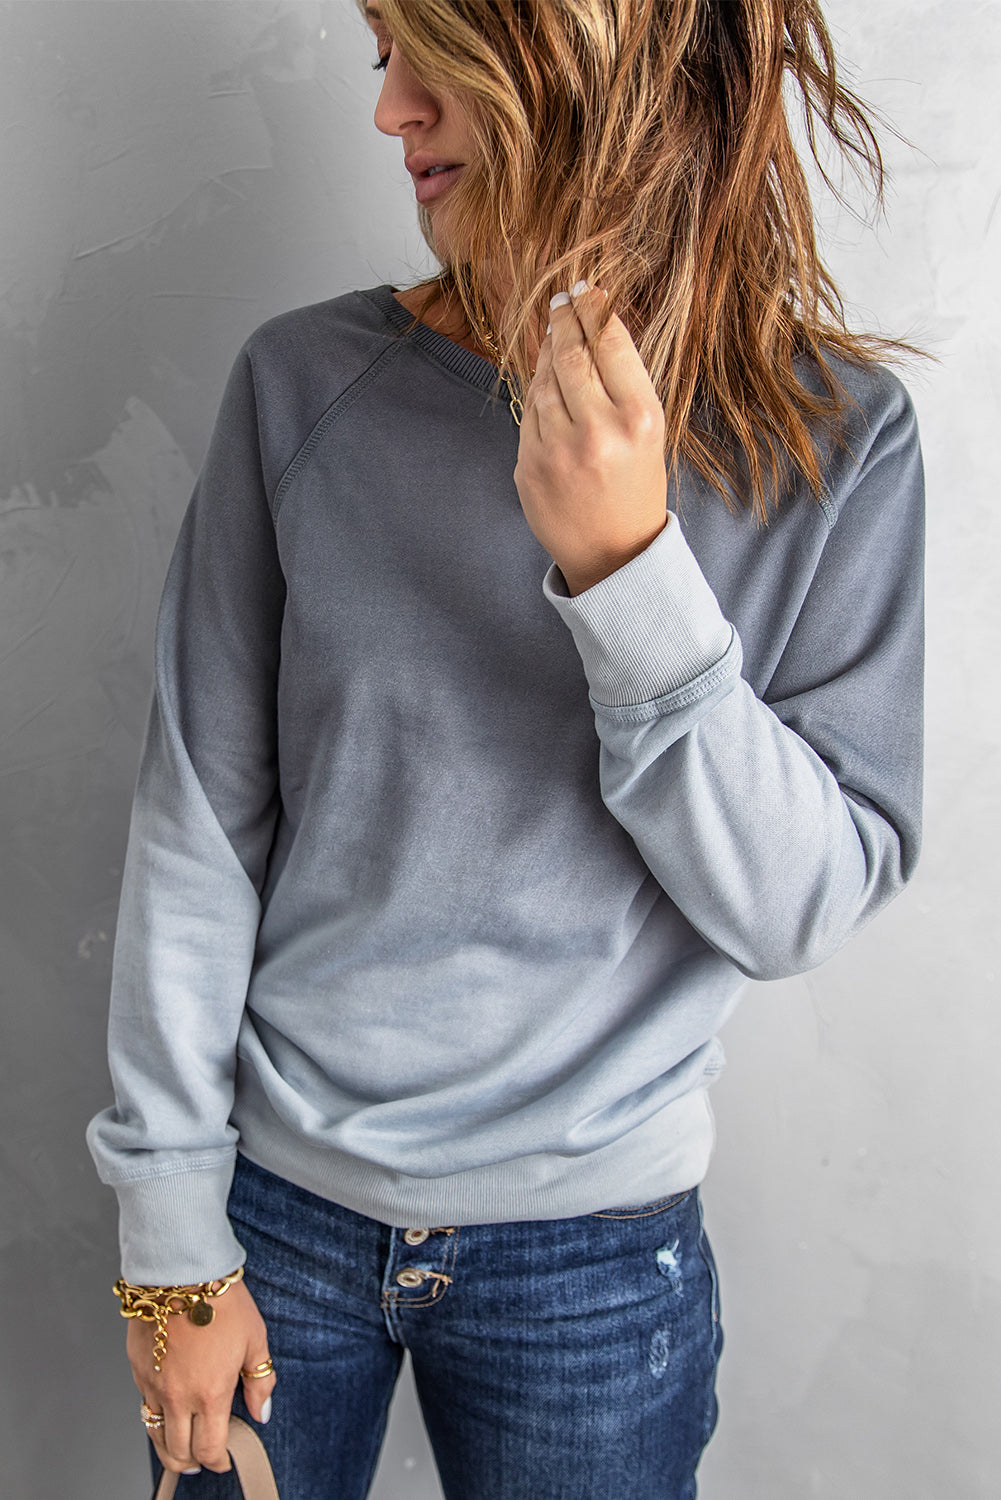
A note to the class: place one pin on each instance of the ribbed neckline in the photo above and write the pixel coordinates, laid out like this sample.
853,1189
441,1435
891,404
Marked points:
462,362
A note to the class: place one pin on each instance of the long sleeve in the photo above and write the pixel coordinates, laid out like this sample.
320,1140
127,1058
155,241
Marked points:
202,823
777,821
396,923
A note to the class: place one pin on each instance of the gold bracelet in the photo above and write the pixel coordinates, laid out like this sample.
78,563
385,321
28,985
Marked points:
154,1303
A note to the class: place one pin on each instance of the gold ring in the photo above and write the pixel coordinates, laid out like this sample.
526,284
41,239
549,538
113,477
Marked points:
150,1418
261,1371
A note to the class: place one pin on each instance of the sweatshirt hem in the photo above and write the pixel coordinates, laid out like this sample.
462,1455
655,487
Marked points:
668,1153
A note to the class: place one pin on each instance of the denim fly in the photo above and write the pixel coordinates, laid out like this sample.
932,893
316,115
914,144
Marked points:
554,1359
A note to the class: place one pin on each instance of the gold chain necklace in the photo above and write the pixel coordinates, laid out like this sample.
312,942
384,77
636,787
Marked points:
517,406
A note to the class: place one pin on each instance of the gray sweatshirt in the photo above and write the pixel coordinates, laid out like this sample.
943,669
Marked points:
440,883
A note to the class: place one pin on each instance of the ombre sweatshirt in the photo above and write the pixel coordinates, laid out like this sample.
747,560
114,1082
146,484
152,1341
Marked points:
440,883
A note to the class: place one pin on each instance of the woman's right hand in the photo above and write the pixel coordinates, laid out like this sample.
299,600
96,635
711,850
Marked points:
200,1372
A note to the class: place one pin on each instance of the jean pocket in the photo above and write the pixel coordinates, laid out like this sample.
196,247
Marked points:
643,1210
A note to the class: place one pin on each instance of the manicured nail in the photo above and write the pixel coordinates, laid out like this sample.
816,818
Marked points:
562,299
266,1411
579,289
196,1470
549,327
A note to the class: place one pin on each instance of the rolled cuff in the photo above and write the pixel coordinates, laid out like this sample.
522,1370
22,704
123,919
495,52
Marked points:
648,628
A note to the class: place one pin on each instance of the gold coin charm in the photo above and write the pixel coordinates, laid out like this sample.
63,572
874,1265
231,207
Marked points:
153,1304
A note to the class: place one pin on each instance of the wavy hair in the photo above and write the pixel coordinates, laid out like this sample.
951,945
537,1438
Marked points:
645,145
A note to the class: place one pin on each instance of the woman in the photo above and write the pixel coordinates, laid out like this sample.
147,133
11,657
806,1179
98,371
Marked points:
494,743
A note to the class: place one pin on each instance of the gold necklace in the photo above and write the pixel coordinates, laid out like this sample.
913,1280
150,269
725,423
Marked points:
517,407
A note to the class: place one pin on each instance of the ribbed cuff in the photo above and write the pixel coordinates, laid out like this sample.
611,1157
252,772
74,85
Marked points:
173,1228
648,628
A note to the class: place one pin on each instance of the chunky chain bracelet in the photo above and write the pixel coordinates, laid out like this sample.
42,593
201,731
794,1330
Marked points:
153,1304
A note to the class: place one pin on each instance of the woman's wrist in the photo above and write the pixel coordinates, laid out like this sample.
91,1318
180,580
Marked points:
154,1304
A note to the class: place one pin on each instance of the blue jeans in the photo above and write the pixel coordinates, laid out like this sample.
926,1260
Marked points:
556,1359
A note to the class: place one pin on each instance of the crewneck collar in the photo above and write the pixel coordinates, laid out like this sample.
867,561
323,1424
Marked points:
462,362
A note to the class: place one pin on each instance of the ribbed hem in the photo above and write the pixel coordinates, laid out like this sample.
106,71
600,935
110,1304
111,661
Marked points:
173,1227
669,1153
647,629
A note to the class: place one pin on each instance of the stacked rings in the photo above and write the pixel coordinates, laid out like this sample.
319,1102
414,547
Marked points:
151,1420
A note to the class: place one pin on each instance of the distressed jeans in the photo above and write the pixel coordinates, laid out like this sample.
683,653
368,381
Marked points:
554,1359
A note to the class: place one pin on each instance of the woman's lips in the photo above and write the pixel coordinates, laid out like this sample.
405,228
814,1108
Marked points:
431,187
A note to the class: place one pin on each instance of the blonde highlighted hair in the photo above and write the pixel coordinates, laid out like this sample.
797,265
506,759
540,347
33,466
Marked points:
644,145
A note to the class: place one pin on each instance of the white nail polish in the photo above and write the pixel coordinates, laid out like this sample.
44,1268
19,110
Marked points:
580,288
197,1470
562,299
266,1411
549,327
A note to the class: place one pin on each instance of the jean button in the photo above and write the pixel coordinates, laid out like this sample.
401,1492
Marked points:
409,1276
415,1236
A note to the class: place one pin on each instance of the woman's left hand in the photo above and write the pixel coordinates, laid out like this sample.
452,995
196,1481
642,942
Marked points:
591,474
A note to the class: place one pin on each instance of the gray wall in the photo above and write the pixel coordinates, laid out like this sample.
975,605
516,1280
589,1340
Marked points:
174,173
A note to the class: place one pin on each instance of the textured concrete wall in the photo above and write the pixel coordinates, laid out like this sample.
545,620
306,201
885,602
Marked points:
171,174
